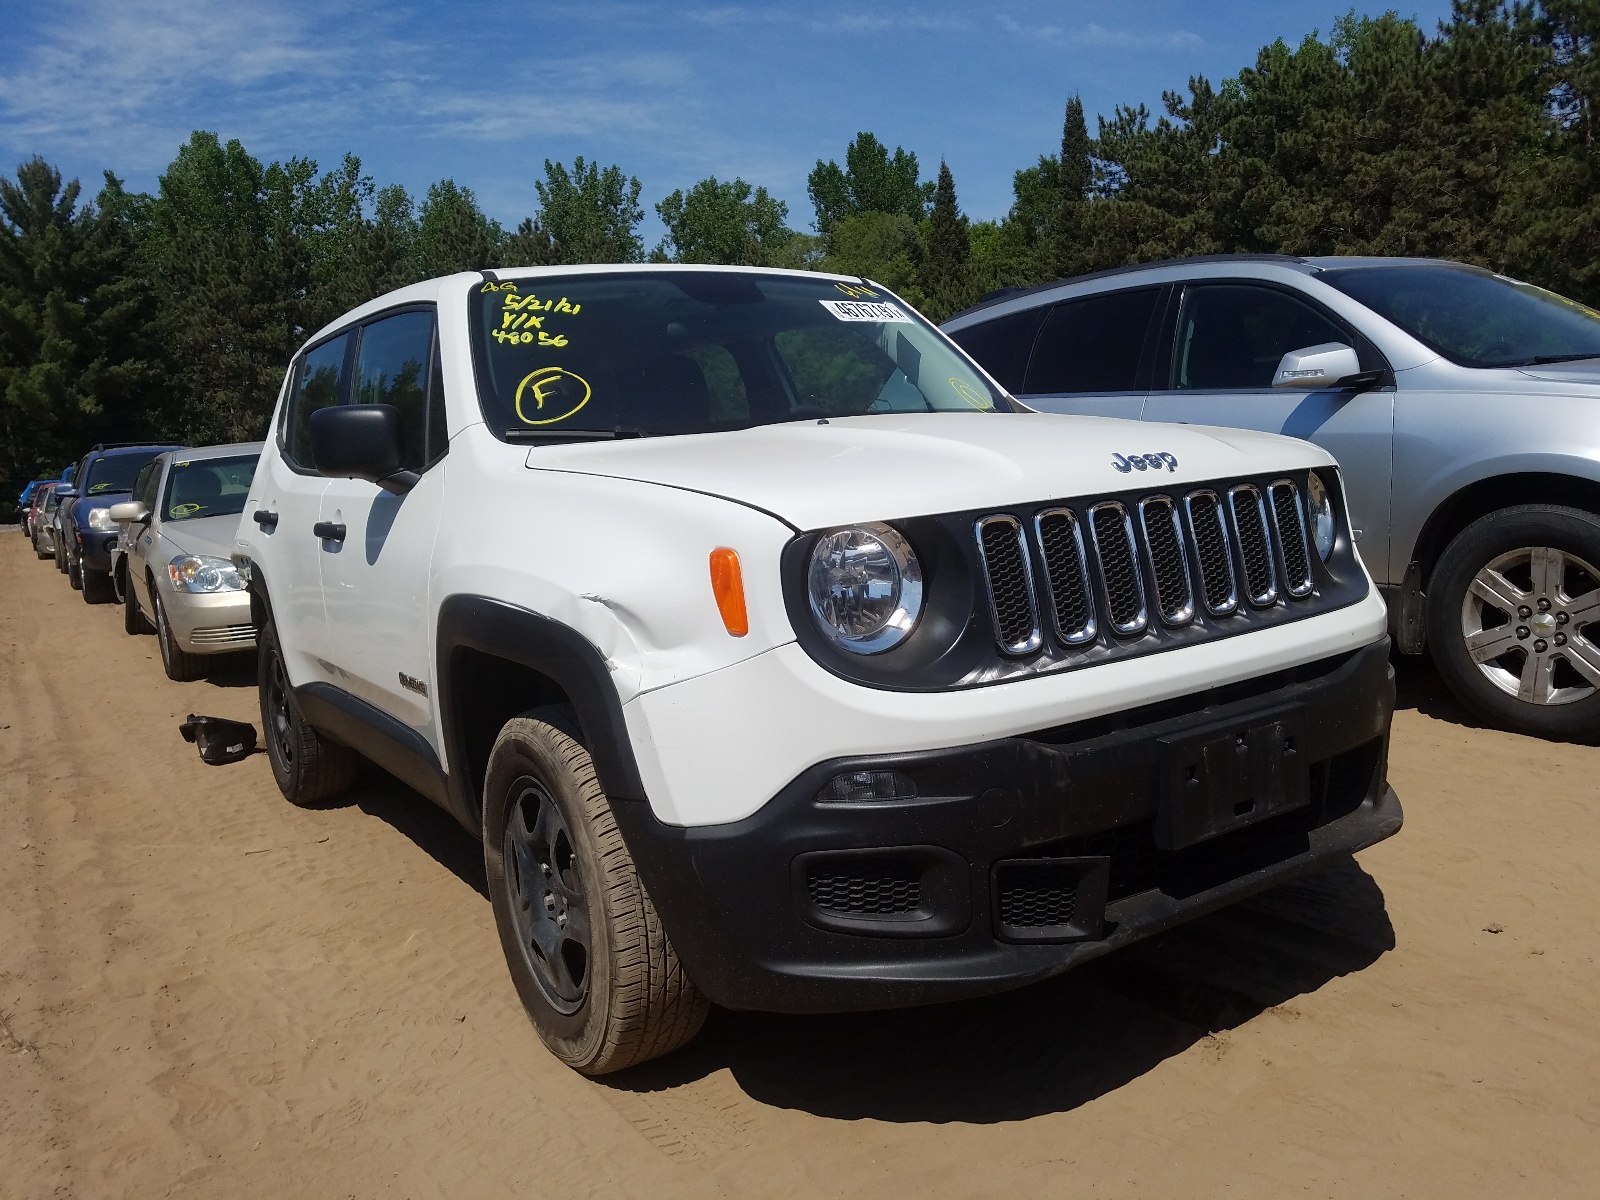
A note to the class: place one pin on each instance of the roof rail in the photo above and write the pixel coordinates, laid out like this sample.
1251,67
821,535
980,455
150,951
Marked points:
1011,293
99,446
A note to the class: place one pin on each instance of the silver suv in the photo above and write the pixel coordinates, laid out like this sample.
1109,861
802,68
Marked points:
1463,408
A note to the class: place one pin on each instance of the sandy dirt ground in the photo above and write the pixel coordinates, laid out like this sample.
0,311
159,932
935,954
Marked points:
205,992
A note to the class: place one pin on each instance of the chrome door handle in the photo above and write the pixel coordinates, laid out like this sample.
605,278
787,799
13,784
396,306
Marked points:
328,531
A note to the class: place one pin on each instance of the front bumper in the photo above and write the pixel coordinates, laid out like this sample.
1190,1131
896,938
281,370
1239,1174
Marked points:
94,550
209,622
1082,805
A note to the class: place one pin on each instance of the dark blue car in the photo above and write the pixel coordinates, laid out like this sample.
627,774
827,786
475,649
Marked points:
103,477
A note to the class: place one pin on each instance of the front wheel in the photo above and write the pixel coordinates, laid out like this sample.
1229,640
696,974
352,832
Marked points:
98,587
1514,620
587,953
308,767
178,663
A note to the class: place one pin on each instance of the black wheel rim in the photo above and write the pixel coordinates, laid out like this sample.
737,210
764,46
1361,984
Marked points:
549,905
276,711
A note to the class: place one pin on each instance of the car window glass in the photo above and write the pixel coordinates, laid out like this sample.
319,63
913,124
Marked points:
141,482
212,487
852,369
1233,335
1002,345
317,384
1092,344
438,426
724,384
113,474
392,368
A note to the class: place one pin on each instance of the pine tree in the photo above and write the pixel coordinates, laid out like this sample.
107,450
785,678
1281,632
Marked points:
452,232
946,275
77,348
1074,176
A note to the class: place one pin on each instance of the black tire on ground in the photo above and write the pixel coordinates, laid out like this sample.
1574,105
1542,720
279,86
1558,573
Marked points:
1498,537
308,767
98,587
133,618
178,663
61,557
39,553
74,573
587,952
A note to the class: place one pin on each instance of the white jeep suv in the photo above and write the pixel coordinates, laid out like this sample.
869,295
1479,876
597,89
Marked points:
781,660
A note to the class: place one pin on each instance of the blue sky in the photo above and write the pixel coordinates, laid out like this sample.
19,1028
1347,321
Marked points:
672,92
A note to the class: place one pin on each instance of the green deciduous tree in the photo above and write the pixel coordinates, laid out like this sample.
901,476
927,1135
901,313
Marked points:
716,222
591,213
452,232
871,181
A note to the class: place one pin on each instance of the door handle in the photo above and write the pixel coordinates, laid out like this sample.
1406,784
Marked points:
265,519
328,531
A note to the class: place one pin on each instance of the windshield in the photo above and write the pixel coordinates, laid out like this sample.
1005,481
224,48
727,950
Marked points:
696,351
114,473
214,487
51,500
1473,317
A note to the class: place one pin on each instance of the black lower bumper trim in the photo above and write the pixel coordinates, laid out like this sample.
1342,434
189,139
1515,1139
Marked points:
1017,859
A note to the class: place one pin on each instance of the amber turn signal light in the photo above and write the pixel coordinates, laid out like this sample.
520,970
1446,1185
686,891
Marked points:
727,583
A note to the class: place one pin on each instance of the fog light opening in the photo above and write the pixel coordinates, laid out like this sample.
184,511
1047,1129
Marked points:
855,787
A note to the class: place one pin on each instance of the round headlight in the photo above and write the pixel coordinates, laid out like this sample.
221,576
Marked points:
1321,514
865,586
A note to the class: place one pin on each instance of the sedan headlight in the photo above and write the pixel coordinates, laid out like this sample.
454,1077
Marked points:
100,520
865,586
202,573
1321,516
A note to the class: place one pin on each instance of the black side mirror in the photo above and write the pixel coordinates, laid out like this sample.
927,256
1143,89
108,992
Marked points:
360,441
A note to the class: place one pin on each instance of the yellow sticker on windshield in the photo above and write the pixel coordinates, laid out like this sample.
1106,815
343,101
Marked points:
970,394
857,291
552,390
184,510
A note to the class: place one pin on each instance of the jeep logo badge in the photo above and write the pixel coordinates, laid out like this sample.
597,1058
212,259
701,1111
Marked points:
1144,462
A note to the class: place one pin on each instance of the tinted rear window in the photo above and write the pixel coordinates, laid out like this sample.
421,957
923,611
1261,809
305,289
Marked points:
1093,344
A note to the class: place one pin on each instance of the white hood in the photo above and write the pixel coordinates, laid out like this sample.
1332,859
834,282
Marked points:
815,474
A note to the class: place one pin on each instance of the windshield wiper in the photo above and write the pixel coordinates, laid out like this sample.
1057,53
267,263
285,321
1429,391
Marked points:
1539,360
573,435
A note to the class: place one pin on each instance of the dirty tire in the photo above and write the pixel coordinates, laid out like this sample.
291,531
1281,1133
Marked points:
98,587
74,574
1570,531
133,618
61,557
178,663
636,1001
307,766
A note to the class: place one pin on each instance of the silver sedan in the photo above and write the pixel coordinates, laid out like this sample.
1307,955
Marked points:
1463,407
175,573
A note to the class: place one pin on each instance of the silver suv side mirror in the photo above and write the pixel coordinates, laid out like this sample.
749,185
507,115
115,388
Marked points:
129,510
1314,367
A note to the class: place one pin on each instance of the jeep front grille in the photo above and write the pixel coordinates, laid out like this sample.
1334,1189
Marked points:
1106,565
1012,603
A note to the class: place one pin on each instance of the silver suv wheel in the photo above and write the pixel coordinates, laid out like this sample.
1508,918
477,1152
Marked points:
1524,619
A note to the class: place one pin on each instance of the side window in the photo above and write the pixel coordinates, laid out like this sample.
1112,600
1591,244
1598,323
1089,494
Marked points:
144,487
392,368
438,427
1001,346
1231,335
1093,344
318,383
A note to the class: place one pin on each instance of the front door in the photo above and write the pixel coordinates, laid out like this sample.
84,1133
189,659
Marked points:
1225,351
375,579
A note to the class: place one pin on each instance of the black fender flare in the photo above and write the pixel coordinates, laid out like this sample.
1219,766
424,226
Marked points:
553,650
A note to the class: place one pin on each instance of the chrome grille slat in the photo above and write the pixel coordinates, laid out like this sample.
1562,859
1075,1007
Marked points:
1213,552
1122,588
1169,561
1289,522
1066,575
1254,540
1009,576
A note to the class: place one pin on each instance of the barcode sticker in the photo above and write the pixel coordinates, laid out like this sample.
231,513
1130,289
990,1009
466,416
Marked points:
864,310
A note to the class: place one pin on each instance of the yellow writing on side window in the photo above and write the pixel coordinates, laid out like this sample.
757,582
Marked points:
551,390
